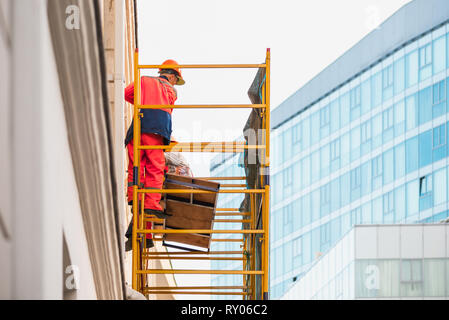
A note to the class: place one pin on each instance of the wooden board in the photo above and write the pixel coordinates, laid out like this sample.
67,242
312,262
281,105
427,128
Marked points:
190,211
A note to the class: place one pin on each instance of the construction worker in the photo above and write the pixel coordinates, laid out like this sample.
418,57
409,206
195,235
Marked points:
156,129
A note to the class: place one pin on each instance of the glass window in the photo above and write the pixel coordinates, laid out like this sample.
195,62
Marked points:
388,124
425,192
425,148
411,69
306,213
278,262
411,278
356,216
377,278
412,199
296,176
439,99
305,124
344,109
325,161
399,203
278,217
324,121
377,210
439,142
411,155
377,131
335,230
335,115
288,257
355,102
288,219
411,112
345,223
440,193
297,138
305,172
366,96
277,192
439,54
307,248
366,178
399,76
297,252
315,205
387,82
425,105
315,166
345,188
388,202
335,155
325,200
356,182
325,237
288,181
377,169
376,89
345,149
355,143
315,125
366,214
425,62
388,166
365,131
433,274
399,118
335,194
399,160
297,214
287,141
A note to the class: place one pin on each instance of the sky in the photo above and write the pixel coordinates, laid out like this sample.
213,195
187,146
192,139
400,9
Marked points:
304,36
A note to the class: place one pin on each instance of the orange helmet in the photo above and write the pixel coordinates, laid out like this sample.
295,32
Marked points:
171,62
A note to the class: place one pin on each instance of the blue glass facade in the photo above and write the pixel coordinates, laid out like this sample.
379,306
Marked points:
374,151
227,166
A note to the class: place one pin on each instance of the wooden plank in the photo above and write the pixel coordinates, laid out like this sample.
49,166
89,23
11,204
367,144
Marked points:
188,216
190,239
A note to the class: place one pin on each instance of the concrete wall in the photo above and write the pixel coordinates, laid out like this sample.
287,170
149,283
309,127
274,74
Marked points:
39,198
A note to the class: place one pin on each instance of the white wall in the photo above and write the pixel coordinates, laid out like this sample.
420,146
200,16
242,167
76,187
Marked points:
44,193
5,153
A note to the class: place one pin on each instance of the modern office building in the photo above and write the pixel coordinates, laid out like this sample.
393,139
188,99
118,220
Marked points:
227,165
364,142
381,262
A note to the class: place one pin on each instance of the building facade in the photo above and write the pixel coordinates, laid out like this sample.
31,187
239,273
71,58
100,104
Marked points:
364,142
381,262
225,165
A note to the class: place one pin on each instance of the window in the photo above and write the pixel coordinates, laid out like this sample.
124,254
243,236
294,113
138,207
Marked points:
355,102
439,99
388,166
388,207
366,96
344,109
335,115
387,82
288,219
324,121
411,278
355,143
425,192
288,181
425,148
325,200
335,150
376,127
411,69
399,118
439,136
355,178
325,161
297,252
411,154
411,112
425,62
376,89
399,76
297,138
315,128
356,216
325,236
365,132
388,125
377,172
439,55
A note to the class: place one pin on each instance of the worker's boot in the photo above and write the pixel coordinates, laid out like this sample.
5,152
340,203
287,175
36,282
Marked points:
129,244
161,214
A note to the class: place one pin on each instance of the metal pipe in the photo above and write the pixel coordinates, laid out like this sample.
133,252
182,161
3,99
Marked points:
203,106
203,66
188,191
198,231
181,271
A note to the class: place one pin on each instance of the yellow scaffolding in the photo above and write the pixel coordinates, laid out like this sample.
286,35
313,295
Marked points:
247,255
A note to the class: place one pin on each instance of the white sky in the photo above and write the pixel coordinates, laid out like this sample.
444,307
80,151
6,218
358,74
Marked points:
304,37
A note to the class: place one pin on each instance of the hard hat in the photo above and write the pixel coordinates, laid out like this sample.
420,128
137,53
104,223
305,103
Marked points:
171,62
